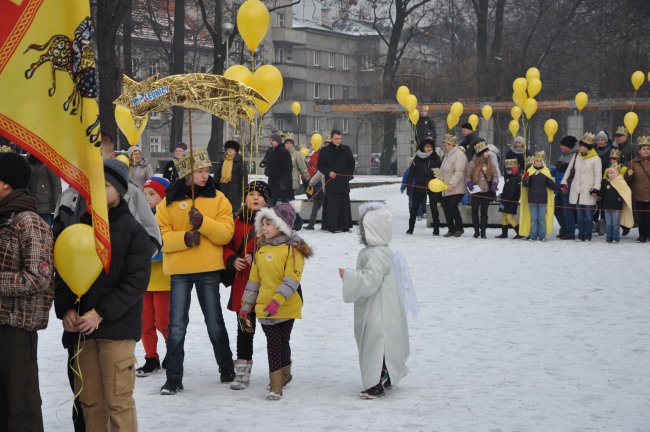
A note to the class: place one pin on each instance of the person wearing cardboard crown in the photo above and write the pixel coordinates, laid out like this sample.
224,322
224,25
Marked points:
638,176
510,199
452,171
616,198
585,173
537,200
194,233
483,173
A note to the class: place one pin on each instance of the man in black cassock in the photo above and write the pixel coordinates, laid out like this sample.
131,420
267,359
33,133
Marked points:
336,163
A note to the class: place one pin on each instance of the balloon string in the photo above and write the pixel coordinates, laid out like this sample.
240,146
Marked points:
75,367
189,111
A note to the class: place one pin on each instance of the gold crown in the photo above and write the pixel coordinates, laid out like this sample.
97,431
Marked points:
449,139
615,154
480,147
621,130
5,149
436,173
201,160
511,163
424,108
529,160
644,140
540,156
289,136
588,138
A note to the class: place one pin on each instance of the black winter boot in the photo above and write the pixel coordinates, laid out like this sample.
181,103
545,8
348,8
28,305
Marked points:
517,237
477,234
504,232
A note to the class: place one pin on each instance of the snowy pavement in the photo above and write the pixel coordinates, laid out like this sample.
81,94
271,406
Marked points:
512,336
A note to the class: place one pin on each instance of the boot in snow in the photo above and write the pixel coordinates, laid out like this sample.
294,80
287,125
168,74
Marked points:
151,366
242,374
504,232
275,393
373,392
517,237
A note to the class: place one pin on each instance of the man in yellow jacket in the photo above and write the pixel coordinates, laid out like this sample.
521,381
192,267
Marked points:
194,232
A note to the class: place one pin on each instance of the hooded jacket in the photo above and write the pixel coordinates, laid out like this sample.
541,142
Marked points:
140,173
453,168
588,176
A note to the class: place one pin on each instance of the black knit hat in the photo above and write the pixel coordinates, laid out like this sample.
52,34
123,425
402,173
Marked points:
232,144
117,174
14,170
261,187
425,141
569,141
467,126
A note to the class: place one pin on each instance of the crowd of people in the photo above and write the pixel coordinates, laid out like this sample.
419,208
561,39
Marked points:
595,186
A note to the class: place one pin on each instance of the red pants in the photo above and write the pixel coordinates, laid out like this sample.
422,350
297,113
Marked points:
155,316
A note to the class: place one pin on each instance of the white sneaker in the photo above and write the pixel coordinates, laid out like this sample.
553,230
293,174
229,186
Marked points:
242,374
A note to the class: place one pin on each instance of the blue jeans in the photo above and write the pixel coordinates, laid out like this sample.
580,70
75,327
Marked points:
569,216
207,290
613,226
585,214
537,221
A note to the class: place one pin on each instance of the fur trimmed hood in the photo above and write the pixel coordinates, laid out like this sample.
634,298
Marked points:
375,224
295,241
282,215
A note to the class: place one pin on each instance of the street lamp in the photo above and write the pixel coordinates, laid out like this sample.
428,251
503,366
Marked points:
227,29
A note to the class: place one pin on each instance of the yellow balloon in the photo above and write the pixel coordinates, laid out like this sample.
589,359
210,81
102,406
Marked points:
637,79
514,127
531,73
127,125
76,259
401,94
515,112
473,120
295,108
452,121
487,112
410,103
456,109
581,100
437,185
519,85
267,80
519,99
124,159
414,116
530,107
631,120
253,22
534,87
239,73
550,127
316,141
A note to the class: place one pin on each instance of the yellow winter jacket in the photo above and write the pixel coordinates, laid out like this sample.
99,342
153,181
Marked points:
216,231
158,281
271,265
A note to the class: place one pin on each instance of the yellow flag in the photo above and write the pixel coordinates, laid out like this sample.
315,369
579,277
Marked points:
49,96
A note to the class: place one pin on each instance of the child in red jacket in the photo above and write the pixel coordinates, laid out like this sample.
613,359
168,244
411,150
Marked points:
238,257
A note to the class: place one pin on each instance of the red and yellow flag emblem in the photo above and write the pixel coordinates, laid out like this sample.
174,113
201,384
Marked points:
49,96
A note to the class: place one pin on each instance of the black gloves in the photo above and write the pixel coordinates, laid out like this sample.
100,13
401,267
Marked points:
192,238
196,218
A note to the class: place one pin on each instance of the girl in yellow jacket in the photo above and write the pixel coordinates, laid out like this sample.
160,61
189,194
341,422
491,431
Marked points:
273,288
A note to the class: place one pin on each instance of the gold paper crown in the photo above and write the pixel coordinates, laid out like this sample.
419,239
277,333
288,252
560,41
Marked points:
201,160
449,139
279,132
588,138
289,136
644,140
511,163
621,130
5,149
480,147
540,156
436,173
615,154
424,107
529,160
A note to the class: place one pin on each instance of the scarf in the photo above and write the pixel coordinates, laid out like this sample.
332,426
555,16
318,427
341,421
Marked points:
17,200
226,169
591,153
422,154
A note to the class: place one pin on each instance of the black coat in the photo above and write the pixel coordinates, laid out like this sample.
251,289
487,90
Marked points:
603,154
611,199
338,159
510,194
116,295
421,170
510,154
278,167
537,184
238,181
423,128
170,172
468,143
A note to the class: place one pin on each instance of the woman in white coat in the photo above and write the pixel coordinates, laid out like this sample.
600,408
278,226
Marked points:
583,178
380,326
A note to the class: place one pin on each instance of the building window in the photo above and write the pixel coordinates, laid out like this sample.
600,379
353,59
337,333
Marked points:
346,93
154,144
279,124
316,91
203,69
346,61
154,115
279,56
316,58
317,123
330,92
280,19
154,67
332,62
346,126
367,63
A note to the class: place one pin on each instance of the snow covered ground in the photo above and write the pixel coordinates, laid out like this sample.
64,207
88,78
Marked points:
511,336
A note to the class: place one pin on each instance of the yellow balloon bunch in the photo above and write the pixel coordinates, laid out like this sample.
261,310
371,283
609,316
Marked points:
455,111
253,21
401,94
414,116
